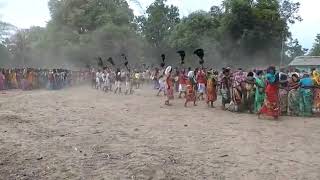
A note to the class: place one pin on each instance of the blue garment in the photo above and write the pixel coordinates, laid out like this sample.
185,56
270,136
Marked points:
271,78
306,82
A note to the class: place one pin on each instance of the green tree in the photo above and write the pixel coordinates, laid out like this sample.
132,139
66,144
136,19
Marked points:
293,50
158,23
255,29
315,50
88,15
4,54
6,30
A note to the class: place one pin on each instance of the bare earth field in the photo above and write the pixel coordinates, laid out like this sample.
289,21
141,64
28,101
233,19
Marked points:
81,133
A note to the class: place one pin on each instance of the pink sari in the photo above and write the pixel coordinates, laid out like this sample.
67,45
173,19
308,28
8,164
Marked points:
2,78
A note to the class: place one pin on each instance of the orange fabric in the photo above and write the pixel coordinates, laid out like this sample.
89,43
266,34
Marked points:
190,94
211,90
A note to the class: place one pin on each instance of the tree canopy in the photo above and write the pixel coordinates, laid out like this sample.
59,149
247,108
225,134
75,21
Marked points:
315,51
238,32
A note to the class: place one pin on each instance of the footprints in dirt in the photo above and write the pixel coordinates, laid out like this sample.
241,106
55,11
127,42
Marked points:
8,118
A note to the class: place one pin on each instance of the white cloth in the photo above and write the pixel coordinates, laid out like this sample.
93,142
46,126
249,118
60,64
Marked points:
182,88
168,70
118,84
190,74
162,84
201,87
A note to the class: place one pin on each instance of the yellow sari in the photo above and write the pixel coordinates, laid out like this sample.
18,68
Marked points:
316,93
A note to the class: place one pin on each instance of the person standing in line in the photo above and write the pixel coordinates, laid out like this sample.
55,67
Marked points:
271,107
260,91
169,85
211,88
293,95
191,89
306,96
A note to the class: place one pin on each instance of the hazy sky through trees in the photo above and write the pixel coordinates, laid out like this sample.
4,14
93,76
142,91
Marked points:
26,13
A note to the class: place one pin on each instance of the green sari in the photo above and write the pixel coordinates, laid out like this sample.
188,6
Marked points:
259,95
305,102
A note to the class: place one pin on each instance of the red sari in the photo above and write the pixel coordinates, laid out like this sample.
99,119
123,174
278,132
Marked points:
271,102
190,94
211,90
170,87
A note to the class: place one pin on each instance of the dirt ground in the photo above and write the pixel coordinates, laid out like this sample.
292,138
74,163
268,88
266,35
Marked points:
81,133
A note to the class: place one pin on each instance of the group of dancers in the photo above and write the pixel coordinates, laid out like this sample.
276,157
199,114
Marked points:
265,92
118,80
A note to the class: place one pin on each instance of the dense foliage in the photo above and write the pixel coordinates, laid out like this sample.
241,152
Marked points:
315,51
238,32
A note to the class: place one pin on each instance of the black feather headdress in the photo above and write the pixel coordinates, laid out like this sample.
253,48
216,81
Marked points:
163,57
126,62
182,55
200,54
100,62
110,60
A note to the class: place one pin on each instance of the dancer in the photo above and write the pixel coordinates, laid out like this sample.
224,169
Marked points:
191,89
2,80
283,93
237,89
260,92
271,104
211,88
293,95
118,81
316,93
201,80
225,85
162,85
169,85
306,96
183,78
249,93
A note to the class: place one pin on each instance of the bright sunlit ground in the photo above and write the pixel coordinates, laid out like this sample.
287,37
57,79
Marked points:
81,133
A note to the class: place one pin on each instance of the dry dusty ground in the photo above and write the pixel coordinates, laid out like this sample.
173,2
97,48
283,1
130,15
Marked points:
81,133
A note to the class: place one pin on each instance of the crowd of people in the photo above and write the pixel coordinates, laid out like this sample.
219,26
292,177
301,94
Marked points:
264,92
119,80
30,79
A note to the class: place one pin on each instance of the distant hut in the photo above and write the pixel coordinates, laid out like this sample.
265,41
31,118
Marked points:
306,63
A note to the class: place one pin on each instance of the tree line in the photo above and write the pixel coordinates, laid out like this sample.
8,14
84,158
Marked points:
237,32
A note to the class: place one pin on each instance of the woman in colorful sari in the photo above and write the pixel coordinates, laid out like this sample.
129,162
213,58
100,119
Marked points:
24,81
225,85
191,89
2,80
306,96
30,79
169,85
260,94
316,93
249,93
14,82
293,95
283,93
271,107
211,89
237,89
201,80
182,83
